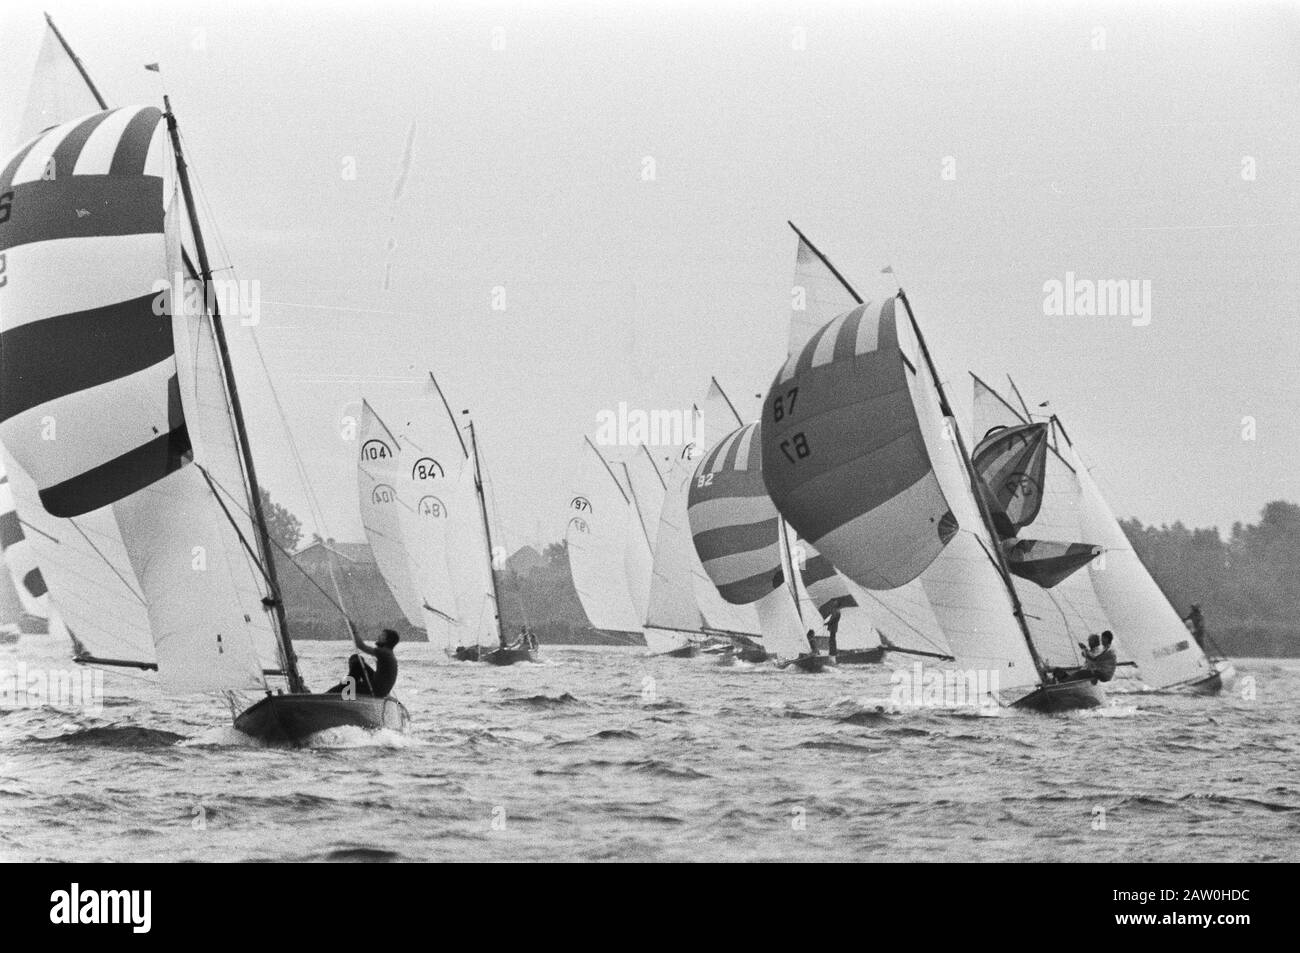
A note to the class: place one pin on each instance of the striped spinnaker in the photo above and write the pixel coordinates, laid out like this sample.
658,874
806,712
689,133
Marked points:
734,524
89,399
844,458
1012,463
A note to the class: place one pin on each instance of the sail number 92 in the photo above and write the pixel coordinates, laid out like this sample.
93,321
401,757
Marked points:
796,448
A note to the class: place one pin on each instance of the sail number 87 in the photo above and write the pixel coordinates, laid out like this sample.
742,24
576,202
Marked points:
796,448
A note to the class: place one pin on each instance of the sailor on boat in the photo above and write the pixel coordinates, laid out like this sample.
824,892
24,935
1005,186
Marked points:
378,681
832,627
1099,661
1195,623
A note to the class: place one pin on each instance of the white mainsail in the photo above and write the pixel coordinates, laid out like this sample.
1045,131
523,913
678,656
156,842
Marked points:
51,88
603,529
380,471
1143,621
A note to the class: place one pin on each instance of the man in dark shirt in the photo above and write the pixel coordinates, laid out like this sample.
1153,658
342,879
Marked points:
1103,663
832,632
377,681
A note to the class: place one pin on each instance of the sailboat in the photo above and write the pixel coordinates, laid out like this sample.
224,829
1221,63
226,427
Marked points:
1117,593
685,612
613,513
863,456
111,335
424,511
743,545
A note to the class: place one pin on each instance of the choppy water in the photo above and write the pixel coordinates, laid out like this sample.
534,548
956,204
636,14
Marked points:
605,754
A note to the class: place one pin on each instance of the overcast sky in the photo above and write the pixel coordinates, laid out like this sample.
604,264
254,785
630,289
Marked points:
981,149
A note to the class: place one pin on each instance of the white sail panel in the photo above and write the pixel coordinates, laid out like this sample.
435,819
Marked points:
471,567
782,629
91,585
201,385
601,531
1147,629
717,417
673,615
964,585
178,543
379,471
55,90
818,295
646,488
433,456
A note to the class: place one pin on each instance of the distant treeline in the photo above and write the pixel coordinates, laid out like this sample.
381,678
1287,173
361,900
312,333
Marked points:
1248,585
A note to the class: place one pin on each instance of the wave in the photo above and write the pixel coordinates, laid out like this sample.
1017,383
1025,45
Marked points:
115,736
542,701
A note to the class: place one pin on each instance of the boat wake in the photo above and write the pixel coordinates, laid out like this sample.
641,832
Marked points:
1112,710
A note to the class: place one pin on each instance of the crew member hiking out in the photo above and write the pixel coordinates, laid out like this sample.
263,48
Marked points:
377,681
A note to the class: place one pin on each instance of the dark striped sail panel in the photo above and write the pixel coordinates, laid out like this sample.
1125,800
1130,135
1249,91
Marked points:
735,526
844,458
825,587
89,404
1011,463
1047,563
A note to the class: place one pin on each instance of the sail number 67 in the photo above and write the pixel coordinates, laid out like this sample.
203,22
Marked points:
796,448
783,405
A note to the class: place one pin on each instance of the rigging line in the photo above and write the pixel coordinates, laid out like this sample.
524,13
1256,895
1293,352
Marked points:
730,406
91,544
608,469
37,529
276,544
908,625
231,519
492,492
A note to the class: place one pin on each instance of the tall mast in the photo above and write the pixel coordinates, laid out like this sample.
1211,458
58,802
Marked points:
264,546
450,416
730,406
636,505
487,530
649,456
1020,397
76,61
999,558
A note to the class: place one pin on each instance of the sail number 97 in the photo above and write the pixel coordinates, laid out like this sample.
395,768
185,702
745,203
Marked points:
784,404
796,448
